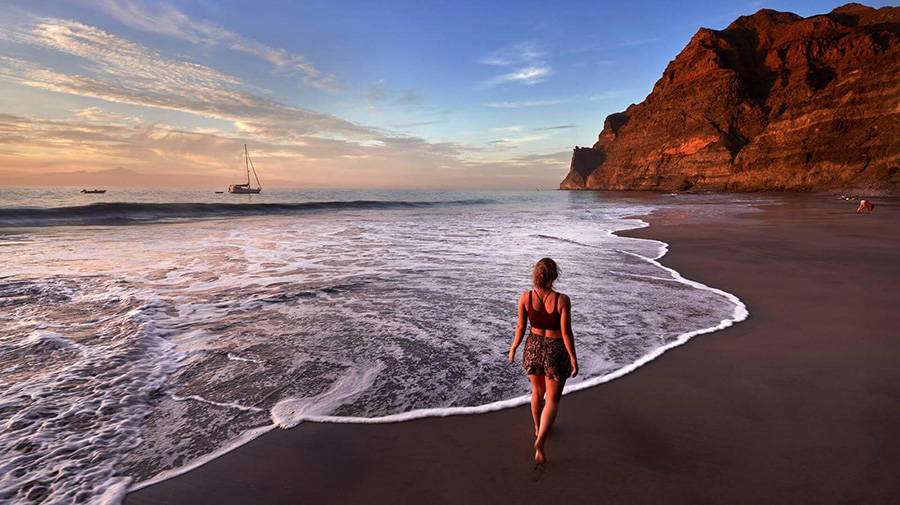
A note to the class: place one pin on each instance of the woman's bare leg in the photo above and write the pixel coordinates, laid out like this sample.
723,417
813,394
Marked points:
537,400
548,415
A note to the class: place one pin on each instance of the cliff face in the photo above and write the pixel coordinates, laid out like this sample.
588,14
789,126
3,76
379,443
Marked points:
773,102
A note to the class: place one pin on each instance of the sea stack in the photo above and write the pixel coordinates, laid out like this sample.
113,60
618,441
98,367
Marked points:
773,102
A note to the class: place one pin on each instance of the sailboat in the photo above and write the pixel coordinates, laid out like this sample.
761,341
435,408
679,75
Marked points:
245,189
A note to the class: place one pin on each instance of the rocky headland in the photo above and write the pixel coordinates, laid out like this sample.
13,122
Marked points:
773,102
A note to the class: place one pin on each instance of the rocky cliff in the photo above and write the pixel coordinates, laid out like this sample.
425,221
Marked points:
773,102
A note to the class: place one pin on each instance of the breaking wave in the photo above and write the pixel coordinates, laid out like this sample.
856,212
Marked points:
131,355
121,213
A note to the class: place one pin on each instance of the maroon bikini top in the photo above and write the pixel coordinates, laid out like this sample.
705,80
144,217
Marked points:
540,318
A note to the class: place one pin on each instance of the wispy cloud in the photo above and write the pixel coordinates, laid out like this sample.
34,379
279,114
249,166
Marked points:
546,160
83,138
379,94
527,103
415,124
98,115
294,143
605,95
513,141
525,61
516,54
376,93
528,76
110,54
165,19
560,127
126,72
35,146
408,97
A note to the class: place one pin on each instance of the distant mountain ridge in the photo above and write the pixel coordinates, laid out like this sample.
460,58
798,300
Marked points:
773,102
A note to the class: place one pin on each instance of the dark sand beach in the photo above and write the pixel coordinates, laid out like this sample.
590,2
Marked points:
798,404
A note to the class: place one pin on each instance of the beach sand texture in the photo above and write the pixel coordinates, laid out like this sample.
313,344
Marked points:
798,404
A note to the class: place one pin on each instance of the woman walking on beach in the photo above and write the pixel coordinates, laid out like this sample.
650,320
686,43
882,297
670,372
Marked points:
549,351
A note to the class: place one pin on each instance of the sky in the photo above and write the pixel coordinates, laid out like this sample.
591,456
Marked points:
333,94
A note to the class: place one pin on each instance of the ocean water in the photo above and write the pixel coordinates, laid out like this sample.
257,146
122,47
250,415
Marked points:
144,332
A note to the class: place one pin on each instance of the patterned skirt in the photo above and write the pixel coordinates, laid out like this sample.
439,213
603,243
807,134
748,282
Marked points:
546,356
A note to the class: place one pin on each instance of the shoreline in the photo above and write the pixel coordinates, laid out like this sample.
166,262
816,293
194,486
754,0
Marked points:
740,314
486,441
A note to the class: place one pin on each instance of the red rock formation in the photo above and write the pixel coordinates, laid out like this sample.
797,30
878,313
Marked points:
773,102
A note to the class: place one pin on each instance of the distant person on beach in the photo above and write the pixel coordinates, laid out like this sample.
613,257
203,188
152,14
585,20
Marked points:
865,204
549,351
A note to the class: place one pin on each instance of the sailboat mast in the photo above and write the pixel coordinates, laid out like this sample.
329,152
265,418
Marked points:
258,185
247,163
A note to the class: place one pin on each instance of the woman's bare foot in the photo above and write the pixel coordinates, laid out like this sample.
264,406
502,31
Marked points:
539,457
540,461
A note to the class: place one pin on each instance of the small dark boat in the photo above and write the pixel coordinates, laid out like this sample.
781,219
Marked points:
93,191
219,192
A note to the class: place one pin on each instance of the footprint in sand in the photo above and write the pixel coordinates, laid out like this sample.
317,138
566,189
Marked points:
538,471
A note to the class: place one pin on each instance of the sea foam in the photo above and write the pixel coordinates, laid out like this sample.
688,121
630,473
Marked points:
194,338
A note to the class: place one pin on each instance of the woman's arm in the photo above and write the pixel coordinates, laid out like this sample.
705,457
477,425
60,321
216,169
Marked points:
520,328
568,337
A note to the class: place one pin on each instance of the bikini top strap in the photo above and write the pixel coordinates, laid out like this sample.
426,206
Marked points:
544,300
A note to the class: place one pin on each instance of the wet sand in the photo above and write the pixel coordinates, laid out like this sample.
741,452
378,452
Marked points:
798,404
